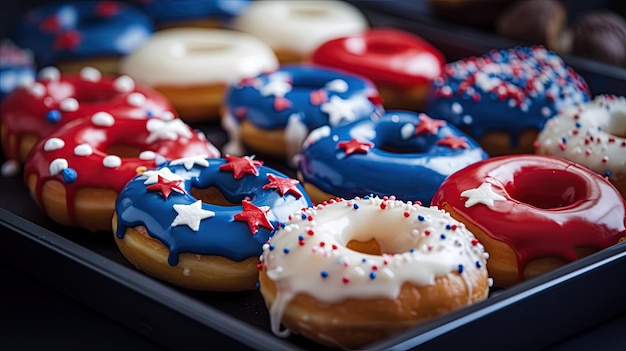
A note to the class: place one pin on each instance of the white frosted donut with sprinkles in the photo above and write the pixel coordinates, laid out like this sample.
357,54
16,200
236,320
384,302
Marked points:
351,272
591,134
76,172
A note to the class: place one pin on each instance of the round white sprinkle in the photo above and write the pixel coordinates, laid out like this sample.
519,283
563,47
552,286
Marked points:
457,108
10,168
53,144
38,90
337,85
90,74
147,155
167,116
57,166
50,74
69,105
102,119
124,84
112,161
407,131
25,81
136,99
83,150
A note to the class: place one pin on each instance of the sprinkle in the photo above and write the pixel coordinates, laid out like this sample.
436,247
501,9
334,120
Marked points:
372,275
102,119
383,205
478,264
355,206
271,247
136,99
324,274
53,116
57,166
420,218
442,236
10,168
286,250
259,266
83,150
124,84
474,242
53,144
406,214
69,105
90,74
69,175
112,161
147,155
460,268
50,74
345,280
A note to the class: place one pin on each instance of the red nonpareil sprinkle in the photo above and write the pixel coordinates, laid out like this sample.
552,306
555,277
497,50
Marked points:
427,232
474,242
310,232
259,266
322,244
374,268
345,280
301,242
406,214
334,247
383,205
454,227
309,218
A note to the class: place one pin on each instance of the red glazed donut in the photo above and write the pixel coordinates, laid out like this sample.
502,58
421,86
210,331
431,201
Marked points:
76,172
30,113
401,64
533,213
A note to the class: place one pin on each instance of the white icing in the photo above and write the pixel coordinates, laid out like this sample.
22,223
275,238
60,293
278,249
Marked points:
90,74
295,133
191,215
593,135
102,119
112,161
198,56
49,74
124,84
83,150
57,166
300,26
418,245
484,194
315,135
38,90
69,105
167,116
337,85
53,144
234,146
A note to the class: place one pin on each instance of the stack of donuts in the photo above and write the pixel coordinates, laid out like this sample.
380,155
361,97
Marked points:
355,178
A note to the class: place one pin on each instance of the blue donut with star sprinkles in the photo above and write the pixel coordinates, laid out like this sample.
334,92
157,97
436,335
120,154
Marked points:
505,91
295,99
402,153
259,201
82,30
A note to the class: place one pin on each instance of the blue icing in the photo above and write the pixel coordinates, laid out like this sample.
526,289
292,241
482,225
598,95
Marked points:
176,10
218,235
505,90
82,29
399,163
299,81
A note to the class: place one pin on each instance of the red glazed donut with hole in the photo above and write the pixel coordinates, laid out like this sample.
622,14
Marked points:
76,172
533,213
30,113
401,64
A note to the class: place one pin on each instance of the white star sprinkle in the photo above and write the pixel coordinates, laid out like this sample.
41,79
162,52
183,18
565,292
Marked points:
484,194
276,88
153,175
191,215
189,162
166,130
337,110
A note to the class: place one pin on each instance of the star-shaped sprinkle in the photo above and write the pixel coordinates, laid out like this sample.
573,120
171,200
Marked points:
283,185
240,166
318,97
428,125
338,110
67,40
166,186
277,88
281,103
454,142
190,161
255,216
191,215
153,175
107,8
354,145
484,194
166,130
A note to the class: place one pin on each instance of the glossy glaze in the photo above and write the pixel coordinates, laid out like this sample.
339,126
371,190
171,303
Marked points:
387,56
17,67
540,206
56,99
77,153
508,91
167,11
81,29
226,232
401,153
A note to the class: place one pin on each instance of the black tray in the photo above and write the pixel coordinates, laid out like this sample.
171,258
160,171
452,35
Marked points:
88,267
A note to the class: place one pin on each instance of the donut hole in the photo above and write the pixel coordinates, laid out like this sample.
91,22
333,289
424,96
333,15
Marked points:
370,247
378,234
547,189
211,195
123,150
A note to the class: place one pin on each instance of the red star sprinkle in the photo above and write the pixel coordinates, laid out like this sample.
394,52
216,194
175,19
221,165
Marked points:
375,99
49,24
107,8
165,186
67,40
354,145
283,185
255,216
454,142
428,125
318,97
241,165
280,103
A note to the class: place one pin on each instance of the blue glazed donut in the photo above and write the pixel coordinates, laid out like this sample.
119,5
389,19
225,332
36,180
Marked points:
171,11
272,113
82,30
402,153
510,92
167,203
17,67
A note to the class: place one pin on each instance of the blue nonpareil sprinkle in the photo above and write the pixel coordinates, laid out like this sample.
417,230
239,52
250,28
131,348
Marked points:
372,275
442,236
304,216
448,226
271,247
324,274
300,237
460,268
355,206
69,175
257,285
53,116
420,218
607,173
478,265
286,250
149,114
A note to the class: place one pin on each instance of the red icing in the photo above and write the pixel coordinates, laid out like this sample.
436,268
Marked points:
386,56
24,112
552,206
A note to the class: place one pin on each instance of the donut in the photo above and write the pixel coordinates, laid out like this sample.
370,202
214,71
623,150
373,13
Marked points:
273,112
31,112
75,34
294,29
503,98
194,66
353,272
17,67
75,173
533,213
593,135
402,153
600,35
202,224
192,13
401,64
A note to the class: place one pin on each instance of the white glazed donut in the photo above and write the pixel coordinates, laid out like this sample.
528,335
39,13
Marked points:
193,66
294,29
593,135
350,272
